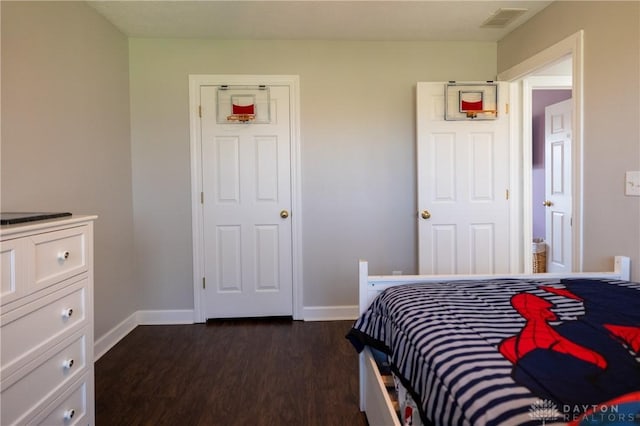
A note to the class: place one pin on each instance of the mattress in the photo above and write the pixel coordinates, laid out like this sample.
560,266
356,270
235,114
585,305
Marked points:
508,352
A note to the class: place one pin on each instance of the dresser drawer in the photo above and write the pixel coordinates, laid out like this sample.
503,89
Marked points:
9,258
46,322
21,398
59,255
35,325
13,270
71,410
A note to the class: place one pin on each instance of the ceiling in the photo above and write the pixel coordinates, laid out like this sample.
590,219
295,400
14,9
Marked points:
390,20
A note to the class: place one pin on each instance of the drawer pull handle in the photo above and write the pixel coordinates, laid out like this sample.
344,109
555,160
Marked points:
66,313
68,415
62,256
68,364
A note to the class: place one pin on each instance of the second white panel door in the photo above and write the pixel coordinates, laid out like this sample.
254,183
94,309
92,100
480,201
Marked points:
558,198
463,182
247,201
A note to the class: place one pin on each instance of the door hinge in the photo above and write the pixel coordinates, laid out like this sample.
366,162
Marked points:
506,194
202,198
200,111
204,284
506,108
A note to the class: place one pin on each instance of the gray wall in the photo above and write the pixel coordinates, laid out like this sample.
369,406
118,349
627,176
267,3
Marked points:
67,143
611,114
65,133
358,152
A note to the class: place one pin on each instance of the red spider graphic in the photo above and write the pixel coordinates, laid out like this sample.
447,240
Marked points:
539,334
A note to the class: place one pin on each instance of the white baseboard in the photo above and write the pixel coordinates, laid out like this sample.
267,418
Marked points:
330,313
113,336
184,316
168,317
117,333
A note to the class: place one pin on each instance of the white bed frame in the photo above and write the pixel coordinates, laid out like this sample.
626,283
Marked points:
374,399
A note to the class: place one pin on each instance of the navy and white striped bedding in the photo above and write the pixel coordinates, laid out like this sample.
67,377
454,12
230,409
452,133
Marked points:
443,340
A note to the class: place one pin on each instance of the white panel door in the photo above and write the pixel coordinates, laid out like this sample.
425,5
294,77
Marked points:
247,200
558,186
463,178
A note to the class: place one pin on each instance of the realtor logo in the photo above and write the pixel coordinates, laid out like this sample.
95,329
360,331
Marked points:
544,410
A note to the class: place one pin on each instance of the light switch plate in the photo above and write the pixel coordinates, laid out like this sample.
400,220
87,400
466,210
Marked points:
632,183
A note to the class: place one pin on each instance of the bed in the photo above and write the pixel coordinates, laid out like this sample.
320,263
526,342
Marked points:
499,350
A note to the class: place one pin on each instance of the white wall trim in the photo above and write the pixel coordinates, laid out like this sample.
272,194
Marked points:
552,54
165,317
516,180
572,46
330,313
113,336
186,316
117,333
529,84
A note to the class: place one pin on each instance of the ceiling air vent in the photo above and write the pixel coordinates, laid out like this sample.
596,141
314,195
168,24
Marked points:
503,17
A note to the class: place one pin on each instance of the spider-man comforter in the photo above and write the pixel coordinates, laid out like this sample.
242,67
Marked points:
509,352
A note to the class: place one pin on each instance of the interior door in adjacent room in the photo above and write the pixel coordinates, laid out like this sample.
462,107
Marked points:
463,187
246,208
558,199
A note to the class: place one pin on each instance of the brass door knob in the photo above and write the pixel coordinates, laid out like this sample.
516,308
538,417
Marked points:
425,214
284,214
547,203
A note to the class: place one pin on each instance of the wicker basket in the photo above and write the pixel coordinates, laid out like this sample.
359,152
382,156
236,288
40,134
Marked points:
539,262
539,250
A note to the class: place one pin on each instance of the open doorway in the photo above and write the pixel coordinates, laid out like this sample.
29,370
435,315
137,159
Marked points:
551,164
550,191
558,67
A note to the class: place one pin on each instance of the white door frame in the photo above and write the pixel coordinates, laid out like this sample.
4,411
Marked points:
522,234
529,84
195,81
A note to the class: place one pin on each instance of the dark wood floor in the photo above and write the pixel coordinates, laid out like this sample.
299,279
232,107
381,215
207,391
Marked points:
246,372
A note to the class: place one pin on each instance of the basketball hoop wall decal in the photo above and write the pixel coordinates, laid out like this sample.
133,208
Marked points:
471,101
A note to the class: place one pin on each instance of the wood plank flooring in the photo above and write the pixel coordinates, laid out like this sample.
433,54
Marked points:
243,372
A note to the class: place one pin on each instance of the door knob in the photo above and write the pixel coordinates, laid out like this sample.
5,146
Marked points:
547,203
284,214
425,214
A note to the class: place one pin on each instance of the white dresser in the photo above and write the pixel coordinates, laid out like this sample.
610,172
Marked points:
46,322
